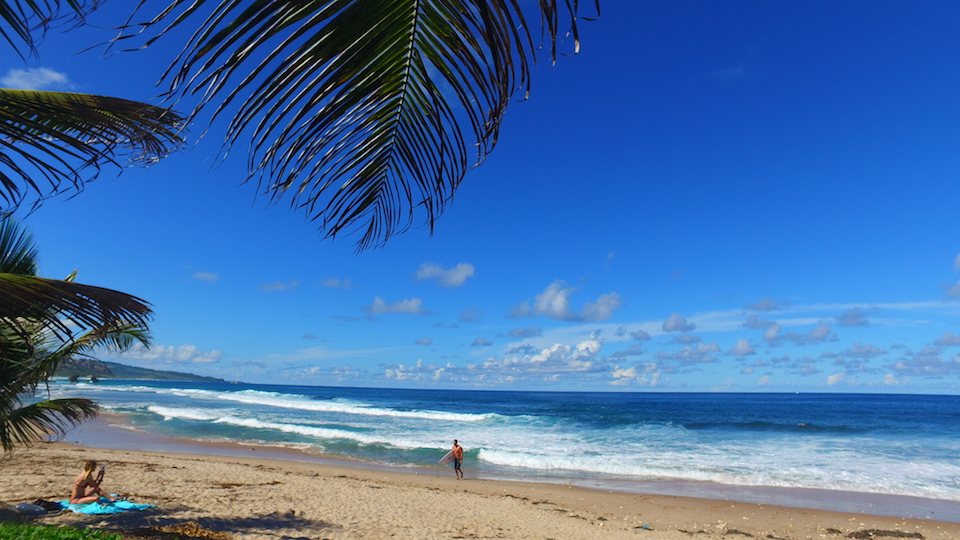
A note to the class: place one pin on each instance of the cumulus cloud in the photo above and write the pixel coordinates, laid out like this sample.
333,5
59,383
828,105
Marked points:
338,283
948,340
864,351
956,263
820,334
687,339
205,276
954,291
640,335
481,342
633,350
419,372
280,286
524,348
410,306
689,355
836,378
771,333
757,323
927,363
453,277
765,304
677,323
554,302
647,375
852,317
425,341
469,315
533,331
35,79
184,354
602,309
742,348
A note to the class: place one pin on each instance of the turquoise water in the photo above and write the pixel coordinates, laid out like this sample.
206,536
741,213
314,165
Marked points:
896,445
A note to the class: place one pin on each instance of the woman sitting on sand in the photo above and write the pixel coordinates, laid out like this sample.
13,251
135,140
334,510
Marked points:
86,489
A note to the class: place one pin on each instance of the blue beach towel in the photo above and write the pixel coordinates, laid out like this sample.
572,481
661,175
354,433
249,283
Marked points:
104,506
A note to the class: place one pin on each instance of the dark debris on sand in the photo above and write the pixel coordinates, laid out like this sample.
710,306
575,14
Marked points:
869,534
187,530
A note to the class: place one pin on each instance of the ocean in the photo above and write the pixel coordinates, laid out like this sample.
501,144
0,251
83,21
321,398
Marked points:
884,454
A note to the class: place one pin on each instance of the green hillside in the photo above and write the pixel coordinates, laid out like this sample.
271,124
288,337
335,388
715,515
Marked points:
111,370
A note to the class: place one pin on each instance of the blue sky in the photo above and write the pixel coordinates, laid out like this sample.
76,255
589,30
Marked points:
736,196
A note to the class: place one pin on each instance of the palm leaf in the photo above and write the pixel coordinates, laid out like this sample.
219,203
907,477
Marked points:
25,21
365,114
63,306
33,423
51,142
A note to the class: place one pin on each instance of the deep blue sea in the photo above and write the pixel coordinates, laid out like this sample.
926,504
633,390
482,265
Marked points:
904,445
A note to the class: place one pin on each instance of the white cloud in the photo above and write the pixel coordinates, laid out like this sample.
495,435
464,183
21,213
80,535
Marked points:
742,348
677,323
836,378
954,292
640,335
481,342
469,315
771,333
205,276
425,341
890,380
410,306
454,277
852,317
819,334
956,263
757,323
279,286
337,283
765,304
35,79
533,331
602,309
184,354
864,351
554,302
949,339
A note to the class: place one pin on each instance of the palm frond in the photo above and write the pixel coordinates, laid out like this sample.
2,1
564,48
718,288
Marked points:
34,423
52,142
365,114
64,306
24,22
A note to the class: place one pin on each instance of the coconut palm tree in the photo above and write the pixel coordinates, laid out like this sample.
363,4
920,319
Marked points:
55,142
363,114
71,320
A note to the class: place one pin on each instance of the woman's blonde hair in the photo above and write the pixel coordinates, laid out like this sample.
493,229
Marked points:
89,466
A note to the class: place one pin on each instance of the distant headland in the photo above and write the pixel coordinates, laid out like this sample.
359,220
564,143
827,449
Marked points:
76,369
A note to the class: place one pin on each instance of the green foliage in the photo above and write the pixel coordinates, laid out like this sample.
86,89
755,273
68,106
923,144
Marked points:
365,114
42,323
23,531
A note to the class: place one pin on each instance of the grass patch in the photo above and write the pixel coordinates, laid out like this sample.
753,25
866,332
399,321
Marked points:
25,531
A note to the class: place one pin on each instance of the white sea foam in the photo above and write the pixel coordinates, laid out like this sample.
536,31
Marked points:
320,433
305,403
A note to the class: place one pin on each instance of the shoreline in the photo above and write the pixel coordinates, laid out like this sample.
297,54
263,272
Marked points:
260,498
103,433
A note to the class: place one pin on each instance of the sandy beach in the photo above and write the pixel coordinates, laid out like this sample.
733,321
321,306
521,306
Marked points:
249,498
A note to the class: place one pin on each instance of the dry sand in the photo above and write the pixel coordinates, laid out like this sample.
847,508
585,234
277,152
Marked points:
271,499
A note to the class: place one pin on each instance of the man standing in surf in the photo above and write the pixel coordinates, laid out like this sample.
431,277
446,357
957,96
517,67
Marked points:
457,459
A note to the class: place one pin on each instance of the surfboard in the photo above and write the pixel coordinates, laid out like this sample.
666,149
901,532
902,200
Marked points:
447,459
